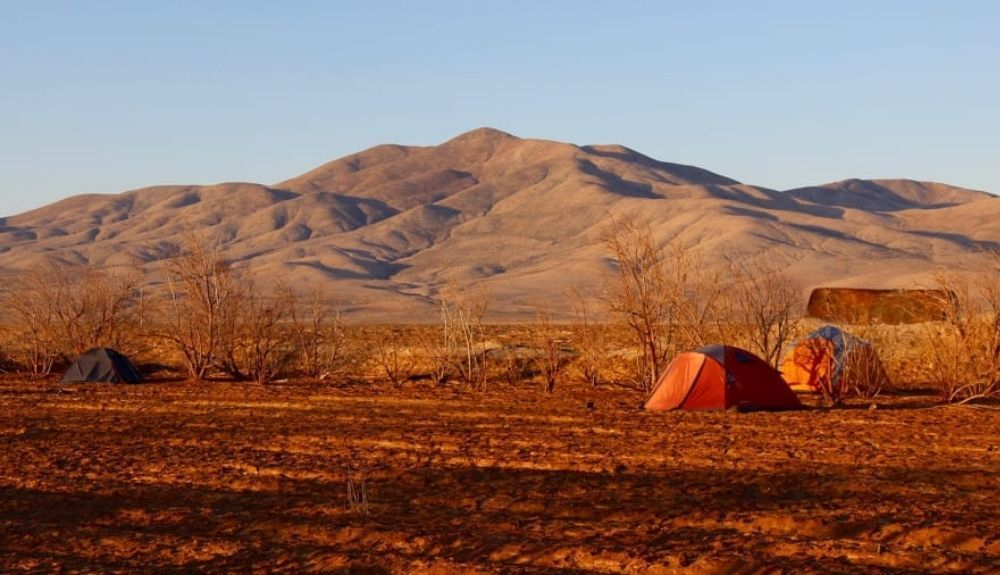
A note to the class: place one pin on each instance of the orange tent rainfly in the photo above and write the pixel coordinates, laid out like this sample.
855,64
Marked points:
721,377
830,358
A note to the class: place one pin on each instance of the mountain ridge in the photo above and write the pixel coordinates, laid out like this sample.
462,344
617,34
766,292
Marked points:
389,226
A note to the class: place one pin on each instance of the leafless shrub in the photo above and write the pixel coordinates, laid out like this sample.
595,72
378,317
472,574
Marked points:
865,371
902,351
6,363
395,362
53,313
866,375
319,337
357,495
513,364
204,294
704,307
548,355
644,297
95,307
966,347
662,295
591,340
32,344
765,305
254,344
462,352
830,383
439,355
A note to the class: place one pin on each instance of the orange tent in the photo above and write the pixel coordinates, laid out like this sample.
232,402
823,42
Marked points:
830,359
721,377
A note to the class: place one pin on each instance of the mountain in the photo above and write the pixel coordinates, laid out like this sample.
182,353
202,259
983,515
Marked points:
887,195
387,228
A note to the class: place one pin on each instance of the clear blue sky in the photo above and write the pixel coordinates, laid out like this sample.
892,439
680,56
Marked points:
102,96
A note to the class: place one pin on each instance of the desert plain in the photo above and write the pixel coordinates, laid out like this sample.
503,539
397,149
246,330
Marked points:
235,477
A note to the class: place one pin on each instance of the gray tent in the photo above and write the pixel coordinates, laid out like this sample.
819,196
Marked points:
103,365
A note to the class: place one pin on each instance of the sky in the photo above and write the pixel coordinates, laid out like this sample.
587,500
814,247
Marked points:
105,96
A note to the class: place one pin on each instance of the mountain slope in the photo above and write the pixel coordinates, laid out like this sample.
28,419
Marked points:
887,195
388,227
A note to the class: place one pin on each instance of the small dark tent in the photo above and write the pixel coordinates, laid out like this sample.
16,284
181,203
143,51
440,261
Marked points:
102,365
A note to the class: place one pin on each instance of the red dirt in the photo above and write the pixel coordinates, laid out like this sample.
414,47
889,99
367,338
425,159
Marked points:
243,478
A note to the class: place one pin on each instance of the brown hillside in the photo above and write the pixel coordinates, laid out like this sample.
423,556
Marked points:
888,195
388,227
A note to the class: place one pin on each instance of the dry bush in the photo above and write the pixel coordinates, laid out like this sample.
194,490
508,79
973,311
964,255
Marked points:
703,311
319,338
96,308
357,493
6,362
903,352
512,364
439,371
32,344
254,344
625,365
61,312
831,385
356,359
393,358
548,355
667,300
764,305
591,338
965,348
644,297
204,295
866,374
462,350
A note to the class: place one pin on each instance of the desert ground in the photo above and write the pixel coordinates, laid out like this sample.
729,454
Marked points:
225,477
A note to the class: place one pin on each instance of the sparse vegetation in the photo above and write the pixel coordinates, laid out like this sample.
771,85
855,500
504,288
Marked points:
513,364
462,352
591,338
64,311
259,347
357,480
646,295
204,296
670,301
549,356
30,341
866,373
213,318
394,359
319,337
966,346
765,306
